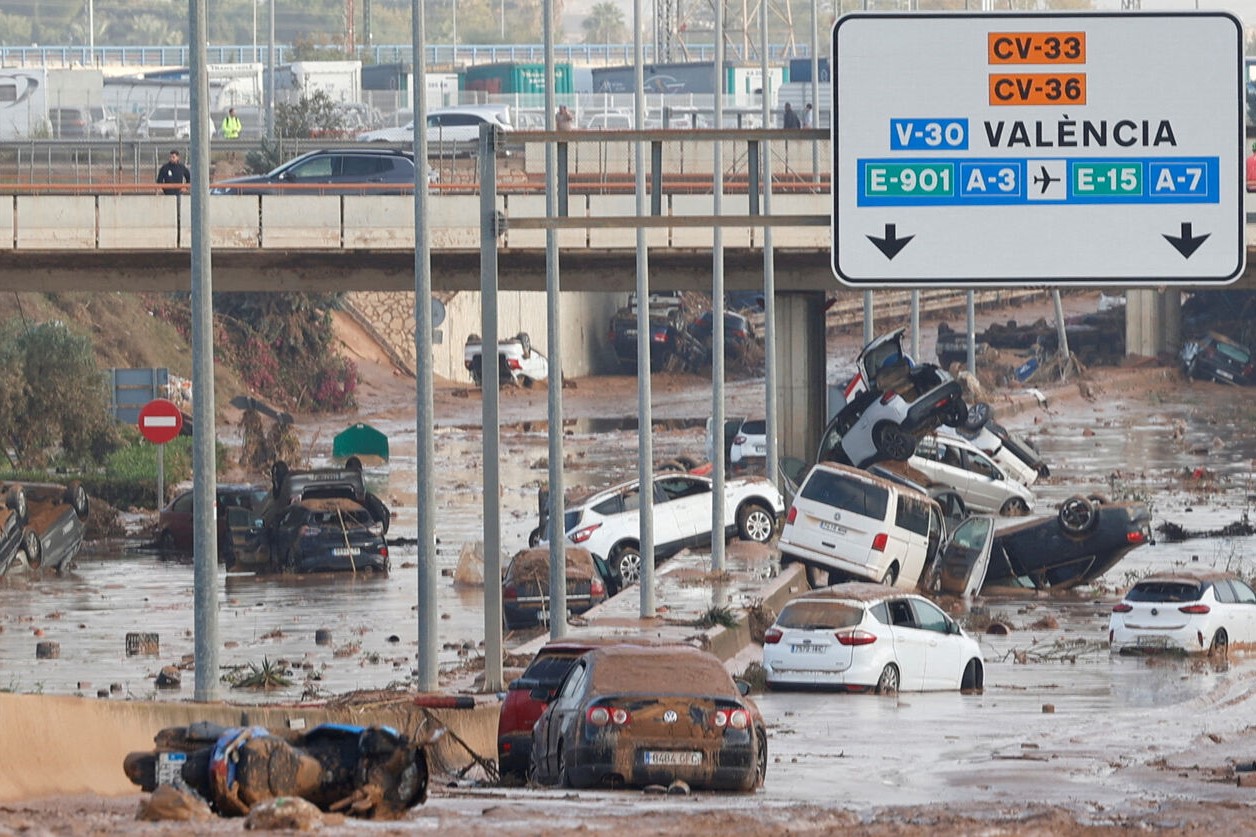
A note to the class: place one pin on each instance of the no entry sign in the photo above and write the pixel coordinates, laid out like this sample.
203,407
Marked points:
160,421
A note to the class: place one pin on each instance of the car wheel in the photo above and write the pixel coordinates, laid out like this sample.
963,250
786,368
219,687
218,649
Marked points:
34,549
972,680
670,466
628,559
534,537
755,523
892,442
16,500
976,416
1220,647
891,576
76,496
887,683
1014,507
1078,515
564,780
165,542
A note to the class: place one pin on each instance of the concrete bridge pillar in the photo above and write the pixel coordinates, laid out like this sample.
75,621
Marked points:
1153,322
801,358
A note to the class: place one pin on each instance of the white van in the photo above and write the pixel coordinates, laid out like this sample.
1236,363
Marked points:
858,526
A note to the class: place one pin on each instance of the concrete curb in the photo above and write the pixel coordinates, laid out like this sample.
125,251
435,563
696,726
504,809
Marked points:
727,643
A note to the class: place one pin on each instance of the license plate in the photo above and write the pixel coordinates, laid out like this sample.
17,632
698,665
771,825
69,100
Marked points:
1225,374
673,758
808,649
630,332
760,448
1152,641
346,551
832,527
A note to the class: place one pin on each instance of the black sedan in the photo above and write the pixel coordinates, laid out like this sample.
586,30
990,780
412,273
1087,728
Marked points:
526,585
333,534
1085,539
1216,357
633,715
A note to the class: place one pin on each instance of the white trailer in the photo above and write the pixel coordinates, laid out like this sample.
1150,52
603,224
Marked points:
27,93
340,80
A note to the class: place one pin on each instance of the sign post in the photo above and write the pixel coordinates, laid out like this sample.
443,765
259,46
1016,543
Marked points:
160,421
1057,149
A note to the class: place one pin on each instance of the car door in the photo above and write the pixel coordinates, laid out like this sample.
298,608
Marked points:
987,488
943,645
687,501
554,727
1245,610
180,520
911,645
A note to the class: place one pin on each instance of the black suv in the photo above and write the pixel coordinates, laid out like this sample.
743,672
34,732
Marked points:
331,171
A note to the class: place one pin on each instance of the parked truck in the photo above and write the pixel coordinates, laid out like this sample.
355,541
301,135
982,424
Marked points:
29,94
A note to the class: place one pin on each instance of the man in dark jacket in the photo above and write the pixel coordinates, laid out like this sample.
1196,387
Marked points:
790,118
174,172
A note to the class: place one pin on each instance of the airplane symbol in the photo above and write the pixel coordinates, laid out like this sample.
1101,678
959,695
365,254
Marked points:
1046,180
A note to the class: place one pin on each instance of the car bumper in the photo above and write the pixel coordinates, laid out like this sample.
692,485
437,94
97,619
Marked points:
325,562
1185,640
794,552
514,752
727,767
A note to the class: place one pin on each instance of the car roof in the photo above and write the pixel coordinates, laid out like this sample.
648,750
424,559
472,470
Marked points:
855,591
357,151
1189,575
864,476
683,668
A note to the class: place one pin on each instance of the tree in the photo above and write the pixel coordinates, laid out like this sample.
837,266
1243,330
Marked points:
313,114
54,404
605,24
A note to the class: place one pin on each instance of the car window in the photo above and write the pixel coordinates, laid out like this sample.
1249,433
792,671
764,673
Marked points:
913,514
816,616
881,613
929,617
182,504
901,614
847,494
754,427
310,169
353,166
674,488
628,500
1242,592
1225,595
350,518
978,464
291,517
1164,591
549,669
574,683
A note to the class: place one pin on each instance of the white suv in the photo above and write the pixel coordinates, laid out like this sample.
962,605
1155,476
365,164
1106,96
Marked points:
982,484
858,526
608,523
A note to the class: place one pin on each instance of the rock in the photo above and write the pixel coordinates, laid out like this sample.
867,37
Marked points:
290,813
470,569
171,803
1046,623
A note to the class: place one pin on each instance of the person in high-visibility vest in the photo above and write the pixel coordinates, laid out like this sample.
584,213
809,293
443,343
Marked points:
230,125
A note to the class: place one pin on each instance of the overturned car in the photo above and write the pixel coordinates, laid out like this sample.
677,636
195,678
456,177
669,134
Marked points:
317,520
1082,541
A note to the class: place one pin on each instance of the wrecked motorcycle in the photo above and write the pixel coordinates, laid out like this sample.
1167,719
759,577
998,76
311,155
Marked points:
370,772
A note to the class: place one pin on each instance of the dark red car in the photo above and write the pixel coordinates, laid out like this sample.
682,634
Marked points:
528,696
238,505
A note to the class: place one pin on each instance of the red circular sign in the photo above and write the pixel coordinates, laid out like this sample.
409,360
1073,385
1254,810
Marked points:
160,421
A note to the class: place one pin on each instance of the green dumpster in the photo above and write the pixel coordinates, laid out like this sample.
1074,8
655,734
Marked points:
360,440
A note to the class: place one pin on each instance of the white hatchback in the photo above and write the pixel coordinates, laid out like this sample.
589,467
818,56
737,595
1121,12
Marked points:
1184,611
608,523
865,637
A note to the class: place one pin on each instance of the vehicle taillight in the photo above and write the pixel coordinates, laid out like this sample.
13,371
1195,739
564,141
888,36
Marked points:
601,716
888,396
772,636
597,588
513,363
731,718
739,439
510,593
1195,609
941,402
1135,537
658,336
1122,608
879,542
855,637
792,516
582,535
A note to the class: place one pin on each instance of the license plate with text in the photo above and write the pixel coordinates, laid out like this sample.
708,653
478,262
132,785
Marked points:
673,758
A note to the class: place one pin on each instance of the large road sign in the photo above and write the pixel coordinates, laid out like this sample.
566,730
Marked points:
1031,149
160,421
